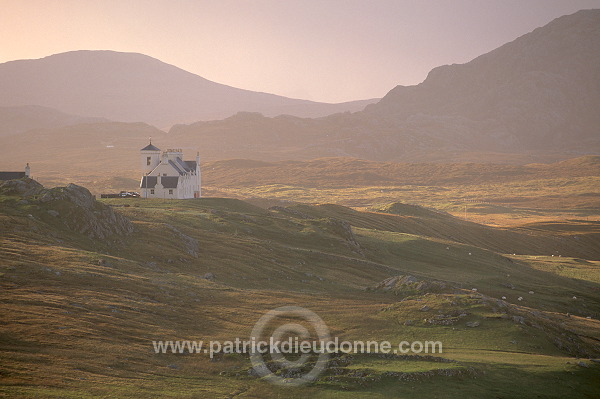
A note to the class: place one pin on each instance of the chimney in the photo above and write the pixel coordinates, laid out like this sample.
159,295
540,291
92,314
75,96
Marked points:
27,170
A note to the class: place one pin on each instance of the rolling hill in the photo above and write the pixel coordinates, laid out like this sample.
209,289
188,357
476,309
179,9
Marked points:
347,172
88,285
498,260
105,158
532,100
539,93
20,119
130,87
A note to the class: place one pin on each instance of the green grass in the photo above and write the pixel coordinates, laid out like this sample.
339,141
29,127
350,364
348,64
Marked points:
498,203
79,315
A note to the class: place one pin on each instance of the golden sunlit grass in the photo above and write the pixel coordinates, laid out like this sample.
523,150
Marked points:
79,316
501,195
494,204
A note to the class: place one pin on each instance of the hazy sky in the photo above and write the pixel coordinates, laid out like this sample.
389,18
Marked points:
323,50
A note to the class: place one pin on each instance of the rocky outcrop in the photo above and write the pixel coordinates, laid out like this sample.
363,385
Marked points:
409,285
343,229
189,244
21,187
80,212
72,206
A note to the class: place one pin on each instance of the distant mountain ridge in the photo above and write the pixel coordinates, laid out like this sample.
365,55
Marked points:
131,87
540,92
535,99
537,90
20,119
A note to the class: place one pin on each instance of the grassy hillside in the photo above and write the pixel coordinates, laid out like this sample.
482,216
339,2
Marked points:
80,312
492,194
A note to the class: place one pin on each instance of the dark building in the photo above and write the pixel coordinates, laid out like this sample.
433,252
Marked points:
15,175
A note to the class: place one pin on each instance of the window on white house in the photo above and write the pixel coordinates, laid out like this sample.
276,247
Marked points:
148,160
170,192
152,191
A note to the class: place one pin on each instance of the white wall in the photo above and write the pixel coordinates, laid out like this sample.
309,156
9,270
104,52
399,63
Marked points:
188,184
154,160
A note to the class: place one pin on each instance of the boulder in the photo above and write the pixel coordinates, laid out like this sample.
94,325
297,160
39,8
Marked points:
23,187
78,209
406,285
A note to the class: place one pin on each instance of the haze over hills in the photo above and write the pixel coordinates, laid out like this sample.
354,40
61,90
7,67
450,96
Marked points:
540,92
88,149
346,172
132,87
367,230
20,119
532,100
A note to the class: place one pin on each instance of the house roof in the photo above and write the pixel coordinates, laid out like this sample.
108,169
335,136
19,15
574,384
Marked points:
183,164
11,175
177,167
150,147
166,181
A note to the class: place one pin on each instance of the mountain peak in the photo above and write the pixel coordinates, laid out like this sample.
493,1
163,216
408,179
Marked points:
535,90
134,87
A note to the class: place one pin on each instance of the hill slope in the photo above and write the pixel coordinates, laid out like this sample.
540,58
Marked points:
539,93
15,120
131,87
541,90
87,150
534,99
80,310
347,172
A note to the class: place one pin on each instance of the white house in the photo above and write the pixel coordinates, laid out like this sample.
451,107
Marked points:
168,175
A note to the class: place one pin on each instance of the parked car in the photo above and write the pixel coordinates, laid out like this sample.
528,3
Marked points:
129,194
